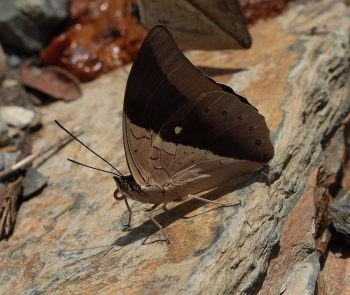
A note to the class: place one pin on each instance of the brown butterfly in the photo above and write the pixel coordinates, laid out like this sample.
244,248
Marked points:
183,132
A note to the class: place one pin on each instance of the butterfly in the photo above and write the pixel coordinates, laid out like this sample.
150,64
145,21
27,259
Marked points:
183,133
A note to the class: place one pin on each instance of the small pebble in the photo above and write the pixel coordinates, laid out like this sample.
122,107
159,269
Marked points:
33,183
4,135
13,61
9,83
2,64
338,254
17,116
7,160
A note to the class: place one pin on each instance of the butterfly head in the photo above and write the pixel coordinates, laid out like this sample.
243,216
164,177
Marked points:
122,187
127,186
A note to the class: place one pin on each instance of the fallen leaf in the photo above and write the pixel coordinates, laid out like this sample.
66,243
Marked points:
53,81
9,196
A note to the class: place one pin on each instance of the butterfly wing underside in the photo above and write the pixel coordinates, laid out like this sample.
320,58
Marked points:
182,130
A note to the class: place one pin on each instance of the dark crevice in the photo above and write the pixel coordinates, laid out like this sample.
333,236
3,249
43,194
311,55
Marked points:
255,288
338,242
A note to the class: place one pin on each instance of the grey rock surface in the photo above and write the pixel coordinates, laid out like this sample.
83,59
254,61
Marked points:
7,159
17,116
339,212
2,64
26,26
4,136
33,183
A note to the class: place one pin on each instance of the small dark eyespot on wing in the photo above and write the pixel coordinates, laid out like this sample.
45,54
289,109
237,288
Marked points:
258,142
251,128
224,113
240,117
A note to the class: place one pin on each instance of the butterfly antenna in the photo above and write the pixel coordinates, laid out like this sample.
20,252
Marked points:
81,164
83,144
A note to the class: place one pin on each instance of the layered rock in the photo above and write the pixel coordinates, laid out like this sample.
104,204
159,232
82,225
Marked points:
71,237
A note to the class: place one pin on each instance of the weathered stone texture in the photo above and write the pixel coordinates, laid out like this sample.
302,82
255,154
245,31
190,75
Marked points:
22,23
70,239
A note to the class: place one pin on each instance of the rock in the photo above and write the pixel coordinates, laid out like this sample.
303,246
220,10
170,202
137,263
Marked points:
4,136
7,159
10,83
334,278
26,26
17,116
297,75
13,60
261,9
2,64
302,278
33,183
339,213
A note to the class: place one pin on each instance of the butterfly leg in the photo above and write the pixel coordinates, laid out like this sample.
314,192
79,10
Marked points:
157,224
129,210
164,207
210,201
152,208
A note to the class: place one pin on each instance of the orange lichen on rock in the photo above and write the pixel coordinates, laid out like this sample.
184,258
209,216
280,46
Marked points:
102,35
255,10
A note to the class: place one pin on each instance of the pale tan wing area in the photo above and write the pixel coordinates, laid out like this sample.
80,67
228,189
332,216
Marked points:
209,140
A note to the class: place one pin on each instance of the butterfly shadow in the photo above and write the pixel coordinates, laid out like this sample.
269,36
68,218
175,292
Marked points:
214,71
181,211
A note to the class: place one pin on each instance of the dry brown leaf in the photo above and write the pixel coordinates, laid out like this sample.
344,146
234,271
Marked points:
9,196
53,81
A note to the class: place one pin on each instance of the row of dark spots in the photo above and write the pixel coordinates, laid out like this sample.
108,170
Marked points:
251,128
